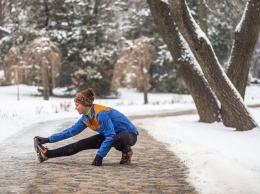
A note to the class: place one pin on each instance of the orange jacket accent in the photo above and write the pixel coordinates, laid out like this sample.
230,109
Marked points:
94,124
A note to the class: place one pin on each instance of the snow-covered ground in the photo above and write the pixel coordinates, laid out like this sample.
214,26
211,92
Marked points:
220,159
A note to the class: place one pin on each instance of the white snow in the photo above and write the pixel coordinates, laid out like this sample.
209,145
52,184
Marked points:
239,26
5,30
220,159
165,1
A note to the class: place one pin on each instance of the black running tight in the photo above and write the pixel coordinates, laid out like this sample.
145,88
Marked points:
121,142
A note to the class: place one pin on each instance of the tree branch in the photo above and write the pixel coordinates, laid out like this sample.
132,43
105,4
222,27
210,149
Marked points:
5,30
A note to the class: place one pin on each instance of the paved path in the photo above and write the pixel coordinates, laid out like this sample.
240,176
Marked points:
154,169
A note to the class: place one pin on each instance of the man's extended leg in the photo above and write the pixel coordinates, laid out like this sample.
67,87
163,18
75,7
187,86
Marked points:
93,142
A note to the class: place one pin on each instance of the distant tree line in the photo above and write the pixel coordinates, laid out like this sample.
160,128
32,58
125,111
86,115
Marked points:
91,35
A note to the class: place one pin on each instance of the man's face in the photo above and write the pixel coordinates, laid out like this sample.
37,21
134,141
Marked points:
81,109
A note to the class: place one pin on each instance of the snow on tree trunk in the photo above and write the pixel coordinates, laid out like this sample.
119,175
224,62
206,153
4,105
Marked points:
186,64
246,36
226,93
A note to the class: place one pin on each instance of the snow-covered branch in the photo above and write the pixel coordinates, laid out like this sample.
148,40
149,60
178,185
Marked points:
5,30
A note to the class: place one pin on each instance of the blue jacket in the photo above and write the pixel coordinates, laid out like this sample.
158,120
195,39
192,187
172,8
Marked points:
104,120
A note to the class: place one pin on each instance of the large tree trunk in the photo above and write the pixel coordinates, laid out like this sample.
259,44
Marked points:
202,13
203,97
246,37
226,93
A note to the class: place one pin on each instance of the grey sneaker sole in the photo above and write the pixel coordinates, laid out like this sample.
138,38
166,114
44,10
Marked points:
36,143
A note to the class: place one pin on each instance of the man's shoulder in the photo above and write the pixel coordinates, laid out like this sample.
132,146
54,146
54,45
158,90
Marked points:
98,108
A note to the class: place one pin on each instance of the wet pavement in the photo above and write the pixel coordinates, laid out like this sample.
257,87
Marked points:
154,169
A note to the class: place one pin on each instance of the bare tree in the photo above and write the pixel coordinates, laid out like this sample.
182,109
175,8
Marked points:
141,55
44,58
132,68
12,61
